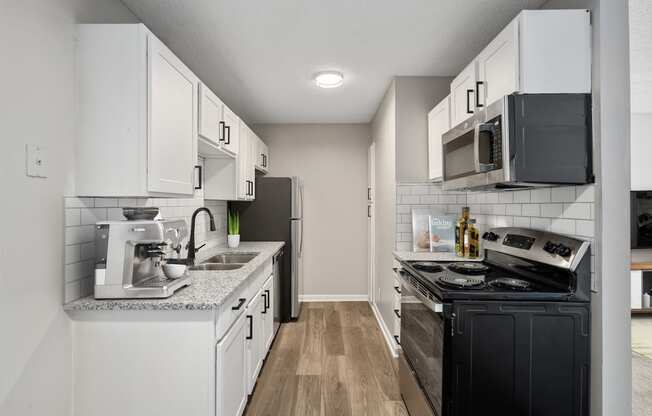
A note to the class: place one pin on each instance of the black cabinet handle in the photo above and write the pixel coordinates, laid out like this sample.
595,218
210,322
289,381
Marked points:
396,339
369,211
201,179
264,303
251,327
222,126
265,160
241,302
397,289
396,312
267,299
228,135
477,94
368,194
468,103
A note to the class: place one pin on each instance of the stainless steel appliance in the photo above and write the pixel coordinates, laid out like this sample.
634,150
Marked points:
506,336
130,255
277,215
522,141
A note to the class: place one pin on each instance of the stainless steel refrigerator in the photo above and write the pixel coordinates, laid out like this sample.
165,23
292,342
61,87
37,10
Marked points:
277,215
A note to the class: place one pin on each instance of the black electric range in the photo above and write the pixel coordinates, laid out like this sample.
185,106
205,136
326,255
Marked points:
508,335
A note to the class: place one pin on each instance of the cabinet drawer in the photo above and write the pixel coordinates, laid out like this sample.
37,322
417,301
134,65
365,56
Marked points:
235,305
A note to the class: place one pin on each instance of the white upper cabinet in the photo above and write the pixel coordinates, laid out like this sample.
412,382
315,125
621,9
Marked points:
539,52
498,66
172,105
439,122
137,114
262,156
462,97
219,127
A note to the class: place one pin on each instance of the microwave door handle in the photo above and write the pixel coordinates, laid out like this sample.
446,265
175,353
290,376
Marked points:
476,148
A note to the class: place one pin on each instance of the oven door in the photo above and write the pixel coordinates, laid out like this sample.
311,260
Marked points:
423,330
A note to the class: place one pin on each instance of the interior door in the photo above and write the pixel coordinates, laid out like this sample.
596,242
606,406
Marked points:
172,115
463,94
439,122
498,66
231,384
371,222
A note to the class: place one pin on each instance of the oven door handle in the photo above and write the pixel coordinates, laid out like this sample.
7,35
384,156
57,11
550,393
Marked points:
429,303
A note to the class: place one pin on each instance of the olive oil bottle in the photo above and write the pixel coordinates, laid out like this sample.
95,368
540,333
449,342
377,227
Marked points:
471,240
460,227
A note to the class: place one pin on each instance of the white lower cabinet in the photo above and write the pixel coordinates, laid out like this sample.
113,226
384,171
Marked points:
231,383
255,352
268,313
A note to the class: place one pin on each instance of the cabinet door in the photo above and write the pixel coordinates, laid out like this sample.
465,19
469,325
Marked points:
231,384
439,122
231,139
172,128
254,340
211,125
498,66
463,94
243,187
251,164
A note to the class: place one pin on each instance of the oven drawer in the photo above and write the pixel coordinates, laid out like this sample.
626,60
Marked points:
411,391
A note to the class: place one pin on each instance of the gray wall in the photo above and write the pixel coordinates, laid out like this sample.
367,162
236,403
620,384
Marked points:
415,97
37,105
383,132
332,160
611,362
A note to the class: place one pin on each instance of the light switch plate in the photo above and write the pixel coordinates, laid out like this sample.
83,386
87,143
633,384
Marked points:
36,161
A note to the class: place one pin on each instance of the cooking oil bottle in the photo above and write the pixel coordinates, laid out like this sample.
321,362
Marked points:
460,227
471,240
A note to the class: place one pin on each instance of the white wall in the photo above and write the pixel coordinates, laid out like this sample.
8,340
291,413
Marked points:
415,97
37,106
332,161
383,132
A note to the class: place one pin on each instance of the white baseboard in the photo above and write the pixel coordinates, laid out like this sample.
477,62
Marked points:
333,298
387,334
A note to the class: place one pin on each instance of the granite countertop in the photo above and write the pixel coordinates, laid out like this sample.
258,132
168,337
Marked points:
428,256
208,289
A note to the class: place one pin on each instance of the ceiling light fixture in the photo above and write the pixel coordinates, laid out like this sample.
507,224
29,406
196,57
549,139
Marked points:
329,79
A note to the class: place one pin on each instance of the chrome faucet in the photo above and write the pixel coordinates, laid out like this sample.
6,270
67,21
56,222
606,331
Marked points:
191,241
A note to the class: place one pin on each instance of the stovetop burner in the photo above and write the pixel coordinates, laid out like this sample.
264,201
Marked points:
468,268
510,283
461,281
427,266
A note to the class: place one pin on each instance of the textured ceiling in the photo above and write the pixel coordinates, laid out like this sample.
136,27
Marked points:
259,56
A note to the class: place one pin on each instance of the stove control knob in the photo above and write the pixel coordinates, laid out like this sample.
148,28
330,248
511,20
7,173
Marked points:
490,236
563,251
550,247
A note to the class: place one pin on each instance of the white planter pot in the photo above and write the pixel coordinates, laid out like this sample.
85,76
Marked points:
233,240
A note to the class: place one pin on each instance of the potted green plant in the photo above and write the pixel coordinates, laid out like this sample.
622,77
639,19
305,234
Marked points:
233,225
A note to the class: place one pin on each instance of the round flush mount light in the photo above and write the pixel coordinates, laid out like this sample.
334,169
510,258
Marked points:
329,79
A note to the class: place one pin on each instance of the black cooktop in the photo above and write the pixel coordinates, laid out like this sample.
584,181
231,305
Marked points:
479,280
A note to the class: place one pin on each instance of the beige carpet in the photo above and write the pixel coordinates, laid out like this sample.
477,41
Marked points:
642,335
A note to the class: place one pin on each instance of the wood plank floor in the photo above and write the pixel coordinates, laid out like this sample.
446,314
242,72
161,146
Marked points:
332,362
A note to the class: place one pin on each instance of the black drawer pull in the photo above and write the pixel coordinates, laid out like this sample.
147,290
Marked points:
396,312
477,94
468,103
264,303
397,289
267,299
251,327
397,341
228,135
241,302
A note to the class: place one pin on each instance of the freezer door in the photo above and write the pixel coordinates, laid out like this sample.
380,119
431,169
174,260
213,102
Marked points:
297,197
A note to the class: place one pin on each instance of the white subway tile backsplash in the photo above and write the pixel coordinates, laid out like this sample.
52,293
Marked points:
513,209
78,202
491,198
523,222
579,210
87,251
522,196
563,194
585,193
73,217
531,210
563,226
551,210
80,234
428,199
585,228
106,202
506,197
72,254
92,215
540,195
540,223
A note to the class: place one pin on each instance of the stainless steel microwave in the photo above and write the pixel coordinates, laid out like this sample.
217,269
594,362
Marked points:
522,140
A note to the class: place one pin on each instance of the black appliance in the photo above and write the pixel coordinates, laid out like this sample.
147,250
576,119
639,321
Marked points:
508,336
277,215
641,219
521,140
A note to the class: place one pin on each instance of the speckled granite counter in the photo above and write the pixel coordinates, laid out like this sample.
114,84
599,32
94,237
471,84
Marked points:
208,290
427,256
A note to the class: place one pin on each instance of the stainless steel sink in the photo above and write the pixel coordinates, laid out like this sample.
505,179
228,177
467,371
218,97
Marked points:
228,258
216,266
